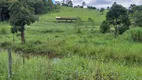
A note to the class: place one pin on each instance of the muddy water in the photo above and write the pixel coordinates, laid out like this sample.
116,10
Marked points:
52,56
56,60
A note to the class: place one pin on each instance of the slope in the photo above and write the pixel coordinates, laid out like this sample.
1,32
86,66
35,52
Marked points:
84,14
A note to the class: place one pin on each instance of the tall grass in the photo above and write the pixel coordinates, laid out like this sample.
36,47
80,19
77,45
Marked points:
62,39
71,67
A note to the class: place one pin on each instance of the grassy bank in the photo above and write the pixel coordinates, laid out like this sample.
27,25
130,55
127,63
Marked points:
84,14
63,39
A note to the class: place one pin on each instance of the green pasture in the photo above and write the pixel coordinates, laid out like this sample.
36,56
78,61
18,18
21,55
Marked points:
83,55
84,14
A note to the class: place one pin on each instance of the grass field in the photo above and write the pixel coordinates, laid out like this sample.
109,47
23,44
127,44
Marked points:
71,67
87,54
84,14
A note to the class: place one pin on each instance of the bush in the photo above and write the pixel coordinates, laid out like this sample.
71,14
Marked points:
3,31
134,34
121,30
90,20
78,23
104,27
5,44
37,42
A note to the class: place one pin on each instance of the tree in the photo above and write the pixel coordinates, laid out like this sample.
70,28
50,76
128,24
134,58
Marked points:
138,18
70,3
108,8
91,7
83,3
63,2
39,7
58,3
4,13
21,15
118,16
104,27
102,10
57,6
45,1
50,4
13,31
67,1
136,14
132,8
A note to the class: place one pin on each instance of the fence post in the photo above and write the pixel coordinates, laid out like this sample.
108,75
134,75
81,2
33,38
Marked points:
23,58
9,63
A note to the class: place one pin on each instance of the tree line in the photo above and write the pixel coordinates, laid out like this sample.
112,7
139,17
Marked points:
121,18
38,6
22,12
69,3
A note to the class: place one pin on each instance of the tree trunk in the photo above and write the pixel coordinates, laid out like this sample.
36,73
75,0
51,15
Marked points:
13,38
22,36
115,32
0,14
116,29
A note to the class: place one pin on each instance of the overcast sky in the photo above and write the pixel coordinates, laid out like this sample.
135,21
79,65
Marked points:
105,3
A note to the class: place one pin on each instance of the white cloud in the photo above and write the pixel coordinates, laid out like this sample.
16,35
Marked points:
105,3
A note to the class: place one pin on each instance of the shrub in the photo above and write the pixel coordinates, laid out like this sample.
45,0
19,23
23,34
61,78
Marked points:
122,29
37,42
104,27
5,44
78,23
134,34
91,21
3,31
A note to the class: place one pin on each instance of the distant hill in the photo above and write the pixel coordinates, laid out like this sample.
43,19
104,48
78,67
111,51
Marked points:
84,14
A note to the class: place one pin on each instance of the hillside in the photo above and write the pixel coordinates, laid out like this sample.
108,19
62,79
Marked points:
64,51
84,14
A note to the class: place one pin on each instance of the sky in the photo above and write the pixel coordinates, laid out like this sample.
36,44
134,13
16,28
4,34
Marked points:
106,3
